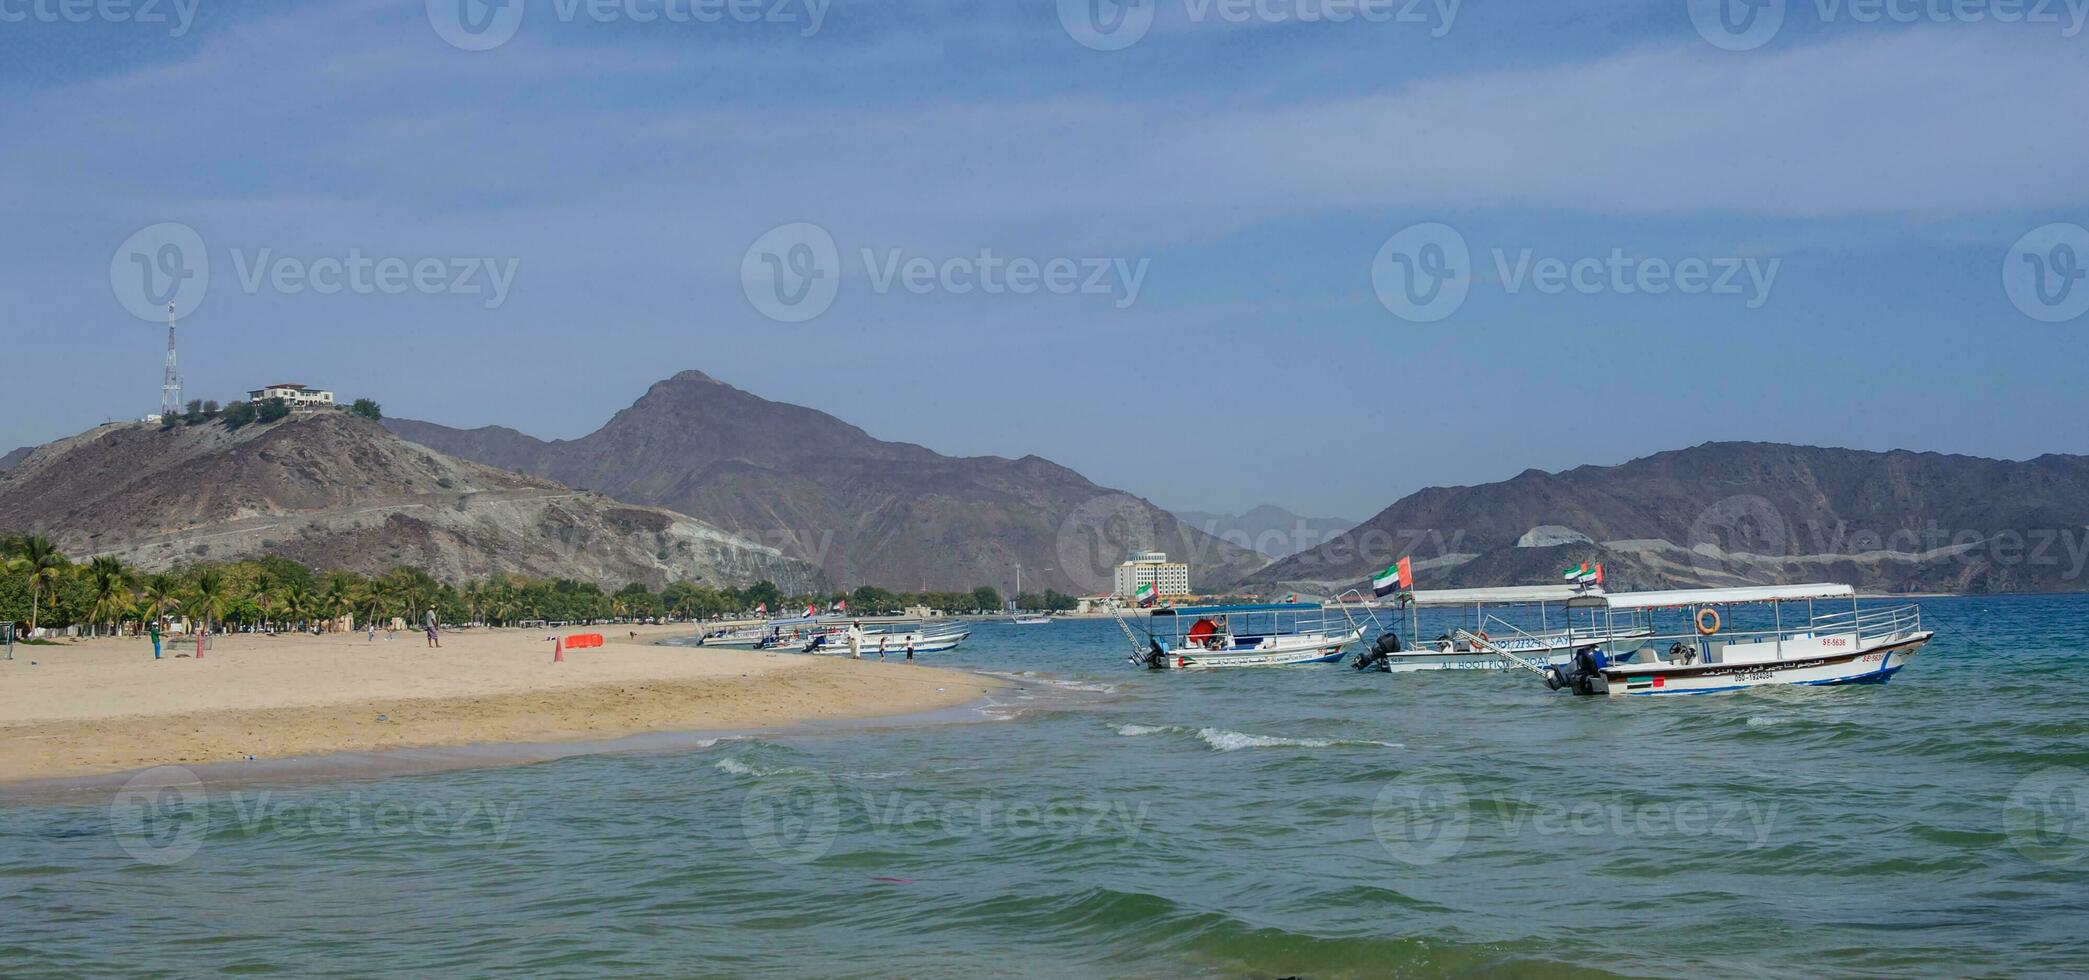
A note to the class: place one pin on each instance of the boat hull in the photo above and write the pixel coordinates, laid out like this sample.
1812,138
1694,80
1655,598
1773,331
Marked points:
1872,664
1281,652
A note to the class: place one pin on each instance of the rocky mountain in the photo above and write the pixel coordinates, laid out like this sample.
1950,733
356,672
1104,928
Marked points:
1737,513
338,492
11,460
864,510
1268,530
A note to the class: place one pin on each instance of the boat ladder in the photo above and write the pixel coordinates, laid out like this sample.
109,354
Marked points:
1138,652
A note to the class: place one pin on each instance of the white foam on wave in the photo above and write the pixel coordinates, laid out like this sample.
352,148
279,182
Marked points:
738,768
1228,741
1759,721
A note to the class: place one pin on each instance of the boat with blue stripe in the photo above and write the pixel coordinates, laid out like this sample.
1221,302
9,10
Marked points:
1736,639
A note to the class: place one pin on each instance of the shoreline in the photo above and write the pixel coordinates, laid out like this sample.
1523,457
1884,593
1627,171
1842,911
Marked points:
95,709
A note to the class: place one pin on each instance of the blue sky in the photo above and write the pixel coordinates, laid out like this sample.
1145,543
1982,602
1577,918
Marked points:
1887,170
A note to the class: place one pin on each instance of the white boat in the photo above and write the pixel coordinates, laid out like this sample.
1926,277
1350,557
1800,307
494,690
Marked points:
1031,620
891,642
1532,622
1263,635
1852,645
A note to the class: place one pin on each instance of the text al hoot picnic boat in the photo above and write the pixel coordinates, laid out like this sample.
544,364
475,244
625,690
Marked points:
1737,639
1283,634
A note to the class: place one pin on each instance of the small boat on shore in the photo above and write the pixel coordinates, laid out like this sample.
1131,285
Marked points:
1852,645
1260,635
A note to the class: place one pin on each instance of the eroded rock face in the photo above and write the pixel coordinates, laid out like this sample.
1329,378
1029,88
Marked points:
1739,513
864,510
335,491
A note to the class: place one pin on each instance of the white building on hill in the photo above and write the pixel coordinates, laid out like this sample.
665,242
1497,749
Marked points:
301,398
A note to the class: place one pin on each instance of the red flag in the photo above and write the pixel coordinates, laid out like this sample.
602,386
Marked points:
1407,573
1599,573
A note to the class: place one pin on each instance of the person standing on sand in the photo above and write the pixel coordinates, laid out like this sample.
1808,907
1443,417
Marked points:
910,649
155,639
881,648
434,640
856,641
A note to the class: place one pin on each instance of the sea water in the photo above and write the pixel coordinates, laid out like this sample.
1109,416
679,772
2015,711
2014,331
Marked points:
1104,821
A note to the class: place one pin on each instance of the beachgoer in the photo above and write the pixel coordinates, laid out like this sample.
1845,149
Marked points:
155,639
856,642
910,649
433,640
881,648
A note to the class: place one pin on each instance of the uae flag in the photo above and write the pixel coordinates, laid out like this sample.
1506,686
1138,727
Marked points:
1397,576
1584,574
762,610
841,606
1144,595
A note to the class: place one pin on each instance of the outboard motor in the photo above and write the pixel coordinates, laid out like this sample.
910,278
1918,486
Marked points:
1154,657
1379,656
1583,675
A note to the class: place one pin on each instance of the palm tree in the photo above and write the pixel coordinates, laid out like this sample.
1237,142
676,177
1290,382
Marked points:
208,600
45,566
110,585
264,594
298,603
162,595
339,598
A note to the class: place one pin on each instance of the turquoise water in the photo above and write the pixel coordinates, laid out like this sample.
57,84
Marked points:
1310,821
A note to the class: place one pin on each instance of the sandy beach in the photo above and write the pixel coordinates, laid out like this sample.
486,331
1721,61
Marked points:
100,706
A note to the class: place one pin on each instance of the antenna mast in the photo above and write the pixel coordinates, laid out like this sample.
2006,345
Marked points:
170,387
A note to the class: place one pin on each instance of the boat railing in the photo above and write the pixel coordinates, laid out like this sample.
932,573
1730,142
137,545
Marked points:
1871,623
1865,625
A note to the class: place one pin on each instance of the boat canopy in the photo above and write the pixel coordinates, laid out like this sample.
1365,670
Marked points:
1504,596
1679,598
1272,607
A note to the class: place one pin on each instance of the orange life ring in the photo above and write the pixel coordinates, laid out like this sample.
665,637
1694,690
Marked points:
1484,638
1704,628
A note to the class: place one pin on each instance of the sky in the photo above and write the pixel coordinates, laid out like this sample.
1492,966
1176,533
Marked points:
1317,253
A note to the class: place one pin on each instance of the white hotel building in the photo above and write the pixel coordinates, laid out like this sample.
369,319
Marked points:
1168,578
299,397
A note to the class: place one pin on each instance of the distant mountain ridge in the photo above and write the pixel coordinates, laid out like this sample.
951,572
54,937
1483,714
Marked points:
335,491
865,510
1736,513
1267,529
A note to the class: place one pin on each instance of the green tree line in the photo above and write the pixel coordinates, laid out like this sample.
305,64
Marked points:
42,587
